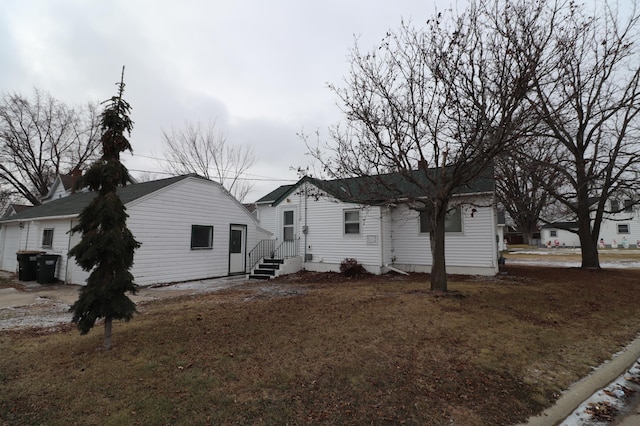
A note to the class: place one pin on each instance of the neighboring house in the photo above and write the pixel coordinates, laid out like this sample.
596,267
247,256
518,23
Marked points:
618,230
190,228
14,209
62,186
319,223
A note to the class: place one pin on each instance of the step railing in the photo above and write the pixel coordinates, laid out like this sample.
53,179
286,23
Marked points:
264,248
288,248
267,249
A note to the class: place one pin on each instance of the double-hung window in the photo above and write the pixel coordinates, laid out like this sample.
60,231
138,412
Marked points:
351,222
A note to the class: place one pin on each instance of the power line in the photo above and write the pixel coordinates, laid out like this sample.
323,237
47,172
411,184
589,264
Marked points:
263,179
257,178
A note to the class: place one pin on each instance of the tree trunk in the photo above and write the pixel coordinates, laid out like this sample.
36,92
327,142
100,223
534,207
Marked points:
438,267
588,241
107,333
589,249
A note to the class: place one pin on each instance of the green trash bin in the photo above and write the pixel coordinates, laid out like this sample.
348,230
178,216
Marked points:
28,265
47,268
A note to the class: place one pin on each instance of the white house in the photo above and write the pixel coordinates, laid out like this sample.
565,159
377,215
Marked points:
618,230
190,228
317,224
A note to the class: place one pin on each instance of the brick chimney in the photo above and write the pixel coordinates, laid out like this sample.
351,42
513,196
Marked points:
75,175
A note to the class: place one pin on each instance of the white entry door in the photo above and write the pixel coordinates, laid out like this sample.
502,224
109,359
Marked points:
237,249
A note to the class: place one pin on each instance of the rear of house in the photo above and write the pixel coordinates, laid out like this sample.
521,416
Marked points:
324,228
190,228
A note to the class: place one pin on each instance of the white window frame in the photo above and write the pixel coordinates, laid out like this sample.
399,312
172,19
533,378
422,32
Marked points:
288,226
209,237
47,238
621,227
553,233
422,220
351,222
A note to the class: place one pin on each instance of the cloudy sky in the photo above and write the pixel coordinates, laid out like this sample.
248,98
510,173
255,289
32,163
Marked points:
259,69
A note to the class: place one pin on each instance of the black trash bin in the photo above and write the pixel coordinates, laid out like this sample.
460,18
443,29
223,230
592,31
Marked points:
47,268
28,265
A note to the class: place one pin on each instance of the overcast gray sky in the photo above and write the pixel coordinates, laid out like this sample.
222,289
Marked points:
259,69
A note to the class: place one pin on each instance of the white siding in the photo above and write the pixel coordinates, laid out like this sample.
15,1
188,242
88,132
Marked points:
162,223
608,232
562,238
474,250
609,229
388,235
30,238
267,217
325,239
10,245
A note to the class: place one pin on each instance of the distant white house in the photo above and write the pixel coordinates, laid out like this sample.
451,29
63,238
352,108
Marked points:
319,223
62,186
618,230
190,228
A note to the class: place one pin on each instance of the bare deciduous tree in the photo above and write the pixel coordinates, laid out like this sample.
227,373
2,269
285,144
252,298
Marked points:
588,100
521,183
42,137
448,97
204,150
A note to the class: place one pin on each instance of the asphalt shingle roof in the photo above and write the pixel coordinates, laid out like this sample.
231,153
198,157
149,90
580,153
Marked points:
378,189
275,195
75,203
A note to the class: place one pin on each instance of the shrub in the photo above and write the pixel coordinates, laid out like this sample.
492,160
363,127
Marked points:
351,268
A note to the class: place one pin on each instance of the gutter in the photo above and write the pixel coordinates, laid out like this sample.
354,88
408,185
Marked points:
30,219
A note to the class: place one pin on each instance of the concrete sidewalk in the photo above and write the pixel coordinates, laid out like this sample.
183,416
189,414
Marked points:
571,399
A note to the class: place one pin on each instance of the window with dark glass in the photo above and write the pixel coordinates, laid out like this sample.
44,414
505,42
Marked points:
47,238
236,241
623,228
628,206
287,225
201,237
452,221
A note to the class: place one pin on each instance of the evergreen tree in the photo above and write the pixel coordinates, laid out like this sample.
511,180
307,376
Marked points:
107,246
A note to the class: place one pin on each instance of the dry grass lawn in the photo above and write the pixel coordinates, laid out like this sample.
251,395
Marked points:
318,349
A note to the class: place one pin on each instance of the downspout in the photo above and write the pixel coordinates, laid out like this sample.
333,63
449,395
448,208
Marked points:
381,241
305,229
26,240
66,266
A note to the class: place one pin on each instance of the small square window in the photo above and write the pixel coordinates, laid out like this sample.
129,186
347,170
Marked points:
623,228
47,238
201,237
553,233
352,221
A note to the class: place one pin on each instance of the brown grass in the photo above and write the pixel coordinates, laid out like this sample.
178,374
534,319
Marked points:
316,349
